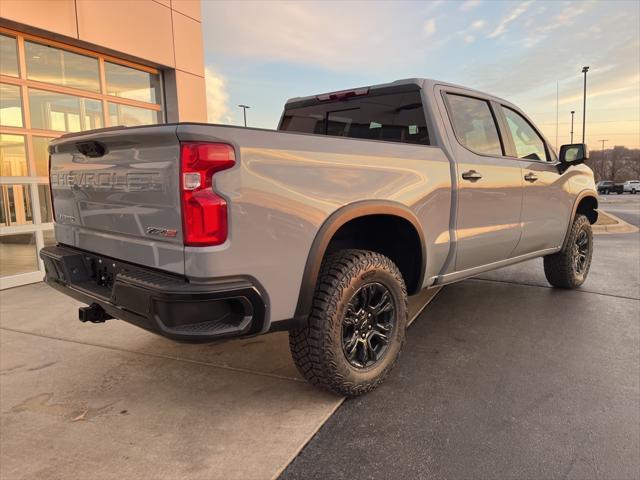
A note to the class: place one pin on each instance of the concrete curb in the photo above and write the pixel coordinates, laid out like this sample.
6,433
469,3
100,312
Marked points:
619,227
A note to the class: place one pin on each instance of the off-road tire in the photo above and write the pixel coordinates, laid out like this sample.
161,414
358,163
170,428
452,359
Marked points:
317,349
560,268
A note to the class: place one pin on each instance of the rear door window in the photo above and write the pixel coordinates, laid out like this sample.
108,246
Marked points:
395,117
474,124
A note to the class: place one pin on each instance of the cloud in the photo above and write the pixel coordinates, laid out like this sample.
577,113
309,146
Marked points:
468,5
565,18
284,49
217,97
528,76
510,17
430,27
467,37
334,36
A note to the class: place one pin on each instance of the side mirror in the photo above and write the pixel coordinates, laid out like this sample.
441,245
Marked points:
572,154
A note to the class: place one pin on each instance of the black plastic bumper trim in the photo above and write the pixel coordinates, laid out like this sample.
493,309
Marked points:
165,304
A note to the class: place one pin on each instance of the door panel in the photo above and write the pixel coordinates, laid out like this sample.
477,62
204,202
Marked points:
545,207
488,225
489,185
546,203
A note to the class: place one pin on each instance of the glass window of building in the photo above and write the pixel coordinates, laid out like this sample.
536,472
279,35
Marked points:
131,116
18,254
77,90
61,67
10,105
46,211
49,238
41,154
13,156
133,84
8,56
64,113
16,205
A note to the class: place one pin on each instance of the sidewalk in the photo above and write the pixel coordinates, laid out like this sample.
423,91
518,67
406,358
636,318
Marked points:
112,401
609,223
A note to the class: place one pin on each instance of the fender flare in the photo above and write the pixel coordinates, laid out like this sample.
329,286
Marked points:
582,195
326,232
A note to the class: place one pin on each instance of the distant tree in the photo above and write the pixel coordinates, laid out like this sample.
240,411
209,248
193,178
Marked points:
618,164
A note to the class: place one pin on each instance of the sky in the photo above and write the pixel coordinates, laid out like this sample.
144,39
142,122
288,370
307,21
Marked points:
529,52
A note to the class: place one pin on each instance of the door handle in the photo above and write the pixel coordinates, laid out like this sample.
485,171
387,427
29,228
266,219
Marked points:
472,176
530,177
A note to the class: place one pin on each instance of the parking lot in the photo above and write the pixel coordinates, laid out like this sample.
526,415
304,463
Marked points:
501,377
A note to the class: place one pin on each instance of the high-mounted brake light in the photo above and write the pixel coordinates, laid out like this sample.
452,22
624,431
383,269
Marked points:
343,94
204,213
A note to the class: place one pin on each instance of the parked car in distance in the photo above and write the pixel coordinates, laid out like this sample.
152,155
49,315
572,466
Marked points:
607,186
323,228
632,186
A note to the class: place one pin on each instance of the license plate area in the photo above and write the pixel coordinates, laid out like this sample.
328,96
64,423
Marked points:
102,271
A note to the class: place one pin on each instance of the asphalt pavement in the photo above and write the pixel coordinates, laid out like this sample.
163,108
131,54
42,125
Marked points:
504,377
625,206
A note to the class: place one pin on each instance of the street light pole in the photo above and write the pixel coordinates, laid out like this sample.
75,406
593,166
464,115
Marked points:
244,112
572,113
584,102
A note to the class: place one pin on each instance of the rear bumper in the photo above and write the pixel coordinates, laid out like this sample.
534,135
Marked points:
168,305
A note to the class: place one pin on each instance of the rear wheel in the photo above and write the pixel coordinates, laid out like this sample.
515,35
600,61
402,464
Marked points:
569,267
357,325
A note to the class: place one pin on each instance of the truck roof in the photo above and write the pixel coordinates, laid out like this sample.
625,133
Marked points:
425,83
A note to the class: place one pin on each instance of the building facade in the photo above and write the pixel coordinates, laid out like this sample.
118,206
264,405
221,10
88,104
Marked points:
74,65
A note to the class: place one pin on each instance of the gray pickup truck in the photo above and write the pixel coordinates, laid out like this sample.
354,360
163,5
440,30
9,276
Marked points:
323,228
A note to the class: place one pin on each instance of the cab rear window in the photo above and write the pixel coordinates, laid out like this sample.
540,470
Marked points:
394,117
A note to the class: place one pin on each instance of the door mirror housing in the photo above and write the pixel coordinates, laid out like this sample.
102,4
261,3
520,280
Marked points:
572,154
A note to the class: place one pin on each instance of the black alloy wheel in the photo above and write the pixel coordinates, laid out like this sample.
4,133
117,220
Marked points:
569,267
581,252
368,325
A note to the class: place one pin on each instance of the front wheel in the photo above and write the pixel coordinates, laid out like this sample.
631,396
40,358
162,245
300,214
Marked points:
570,266
357,325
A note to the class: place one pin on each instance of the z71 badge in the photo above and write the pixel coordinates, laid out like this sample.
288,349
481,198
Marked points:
162,232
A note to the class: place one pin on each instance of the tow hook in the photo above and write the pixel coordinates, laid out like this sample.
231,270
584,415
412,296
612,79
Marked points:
93,313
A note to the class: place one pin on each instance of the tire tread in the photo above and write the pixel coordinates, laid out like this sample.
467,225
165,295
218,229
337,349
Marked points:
312,349
558,267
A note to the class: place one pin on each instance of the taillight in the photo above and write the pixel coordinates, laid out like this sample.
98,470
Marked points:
204,214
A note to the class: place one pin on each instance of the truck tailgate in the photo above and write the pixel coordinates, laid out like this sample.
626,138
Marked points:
116,193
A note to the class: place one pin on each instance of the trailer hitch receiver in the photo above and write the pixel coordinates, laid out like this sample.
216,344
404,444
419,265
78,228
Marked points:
93,313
